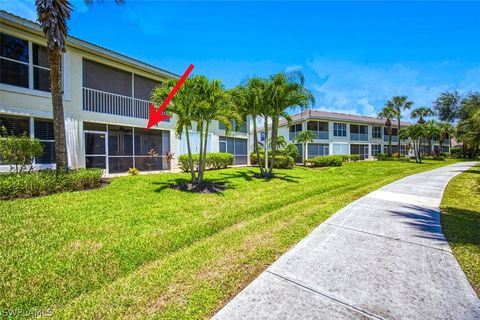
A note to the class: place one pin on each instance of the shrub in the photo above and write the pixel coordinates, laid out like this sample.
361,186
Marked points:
395,155
456,153
281,162
133,171
19,152
354,157
45,182
326,161
438,158
383,157
291,151
212,161
345,157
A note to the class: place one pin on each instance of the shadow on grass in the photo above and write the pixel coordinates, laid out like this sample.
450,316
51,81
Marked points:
226,179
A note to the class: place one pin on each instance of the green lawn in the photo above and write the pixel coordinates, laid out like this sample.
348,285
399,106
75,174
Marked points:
461,222
138,249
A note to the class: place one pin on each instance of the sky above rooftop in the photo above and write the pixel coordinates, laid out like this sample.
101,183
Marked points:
354,55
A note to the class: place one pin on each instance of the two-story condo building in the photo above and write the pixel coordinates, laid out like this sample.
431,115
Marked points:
106,103
340,134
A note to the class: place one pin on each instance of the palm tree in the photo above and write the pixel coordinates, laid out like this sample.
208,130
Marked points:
399,103
285,91
281,142
432,131
388,114
415,132
53,16
182,105
421,113
215,104
304,138
446,130
248,99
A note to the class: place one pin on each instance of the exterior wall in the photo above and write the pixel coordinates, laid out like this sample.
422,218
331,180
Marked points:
33,103
347,141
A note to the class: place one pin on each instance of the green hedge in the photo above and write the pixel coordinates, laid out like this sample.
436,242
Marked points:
326,161
214,160
45,182
281,162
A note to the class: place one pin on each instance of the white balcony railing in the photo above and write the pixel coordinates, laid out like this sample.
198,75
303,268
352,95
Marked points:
111,103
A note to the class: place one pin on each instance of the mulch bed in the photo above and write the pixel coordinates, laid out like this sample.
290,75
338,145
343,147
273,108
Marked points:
205,187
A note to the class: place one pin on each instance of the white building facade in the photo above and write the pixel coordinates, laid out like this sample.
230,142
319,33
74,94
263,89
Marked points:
106,104
343,134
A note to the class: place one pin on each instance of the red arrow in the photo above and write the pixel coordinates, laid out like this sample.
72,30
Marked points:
156,115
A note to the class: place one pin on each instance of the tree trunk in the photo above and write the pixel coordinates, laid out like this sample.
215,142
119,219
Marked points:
200,155
305,154
389,144
274,144
255,144
61,160
266,147
204,153
189,149
398,136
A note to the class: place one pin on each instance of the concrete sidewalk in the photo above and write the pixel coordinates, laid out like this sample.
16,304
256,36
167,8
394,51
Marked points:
383,256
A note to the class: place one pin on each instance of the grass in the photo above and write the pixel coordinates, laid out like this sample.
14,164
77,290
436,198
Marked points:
461,222
139,249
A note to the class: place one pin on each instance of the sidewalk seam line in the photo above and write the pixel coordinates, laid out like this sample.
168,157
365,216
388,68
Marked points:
364,312
386,237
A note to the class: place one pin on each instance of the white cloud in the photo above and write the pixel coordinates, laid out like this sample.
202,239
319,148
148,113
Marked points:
347,86
23,8
296,67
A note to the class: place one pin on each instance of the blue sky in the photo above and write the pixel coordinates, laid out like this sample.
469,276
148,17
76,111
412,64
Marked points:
354,55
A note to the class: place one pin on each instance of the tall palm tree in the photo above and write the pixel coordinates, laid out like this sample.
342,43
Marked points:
284,92
249,101
53,16
399,104
305,137
215,104
446,130
415,132
388,113
421,113
182,105
432,131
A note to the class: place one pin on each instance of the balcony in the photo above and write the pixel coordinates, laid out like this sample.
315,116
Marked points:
394,138
110,103
293,135
359,136
320,134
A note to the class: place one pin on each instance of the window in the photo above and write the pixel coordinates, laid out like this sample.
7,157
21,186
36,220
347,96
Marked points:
360,149
296,128
377,132
41,68
376,149
235,146
235,128
394,131
104,78
143,87
339,129
15,64
14,61
317,149
127,147
44,132
340,148
320,129
15,126
358,132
